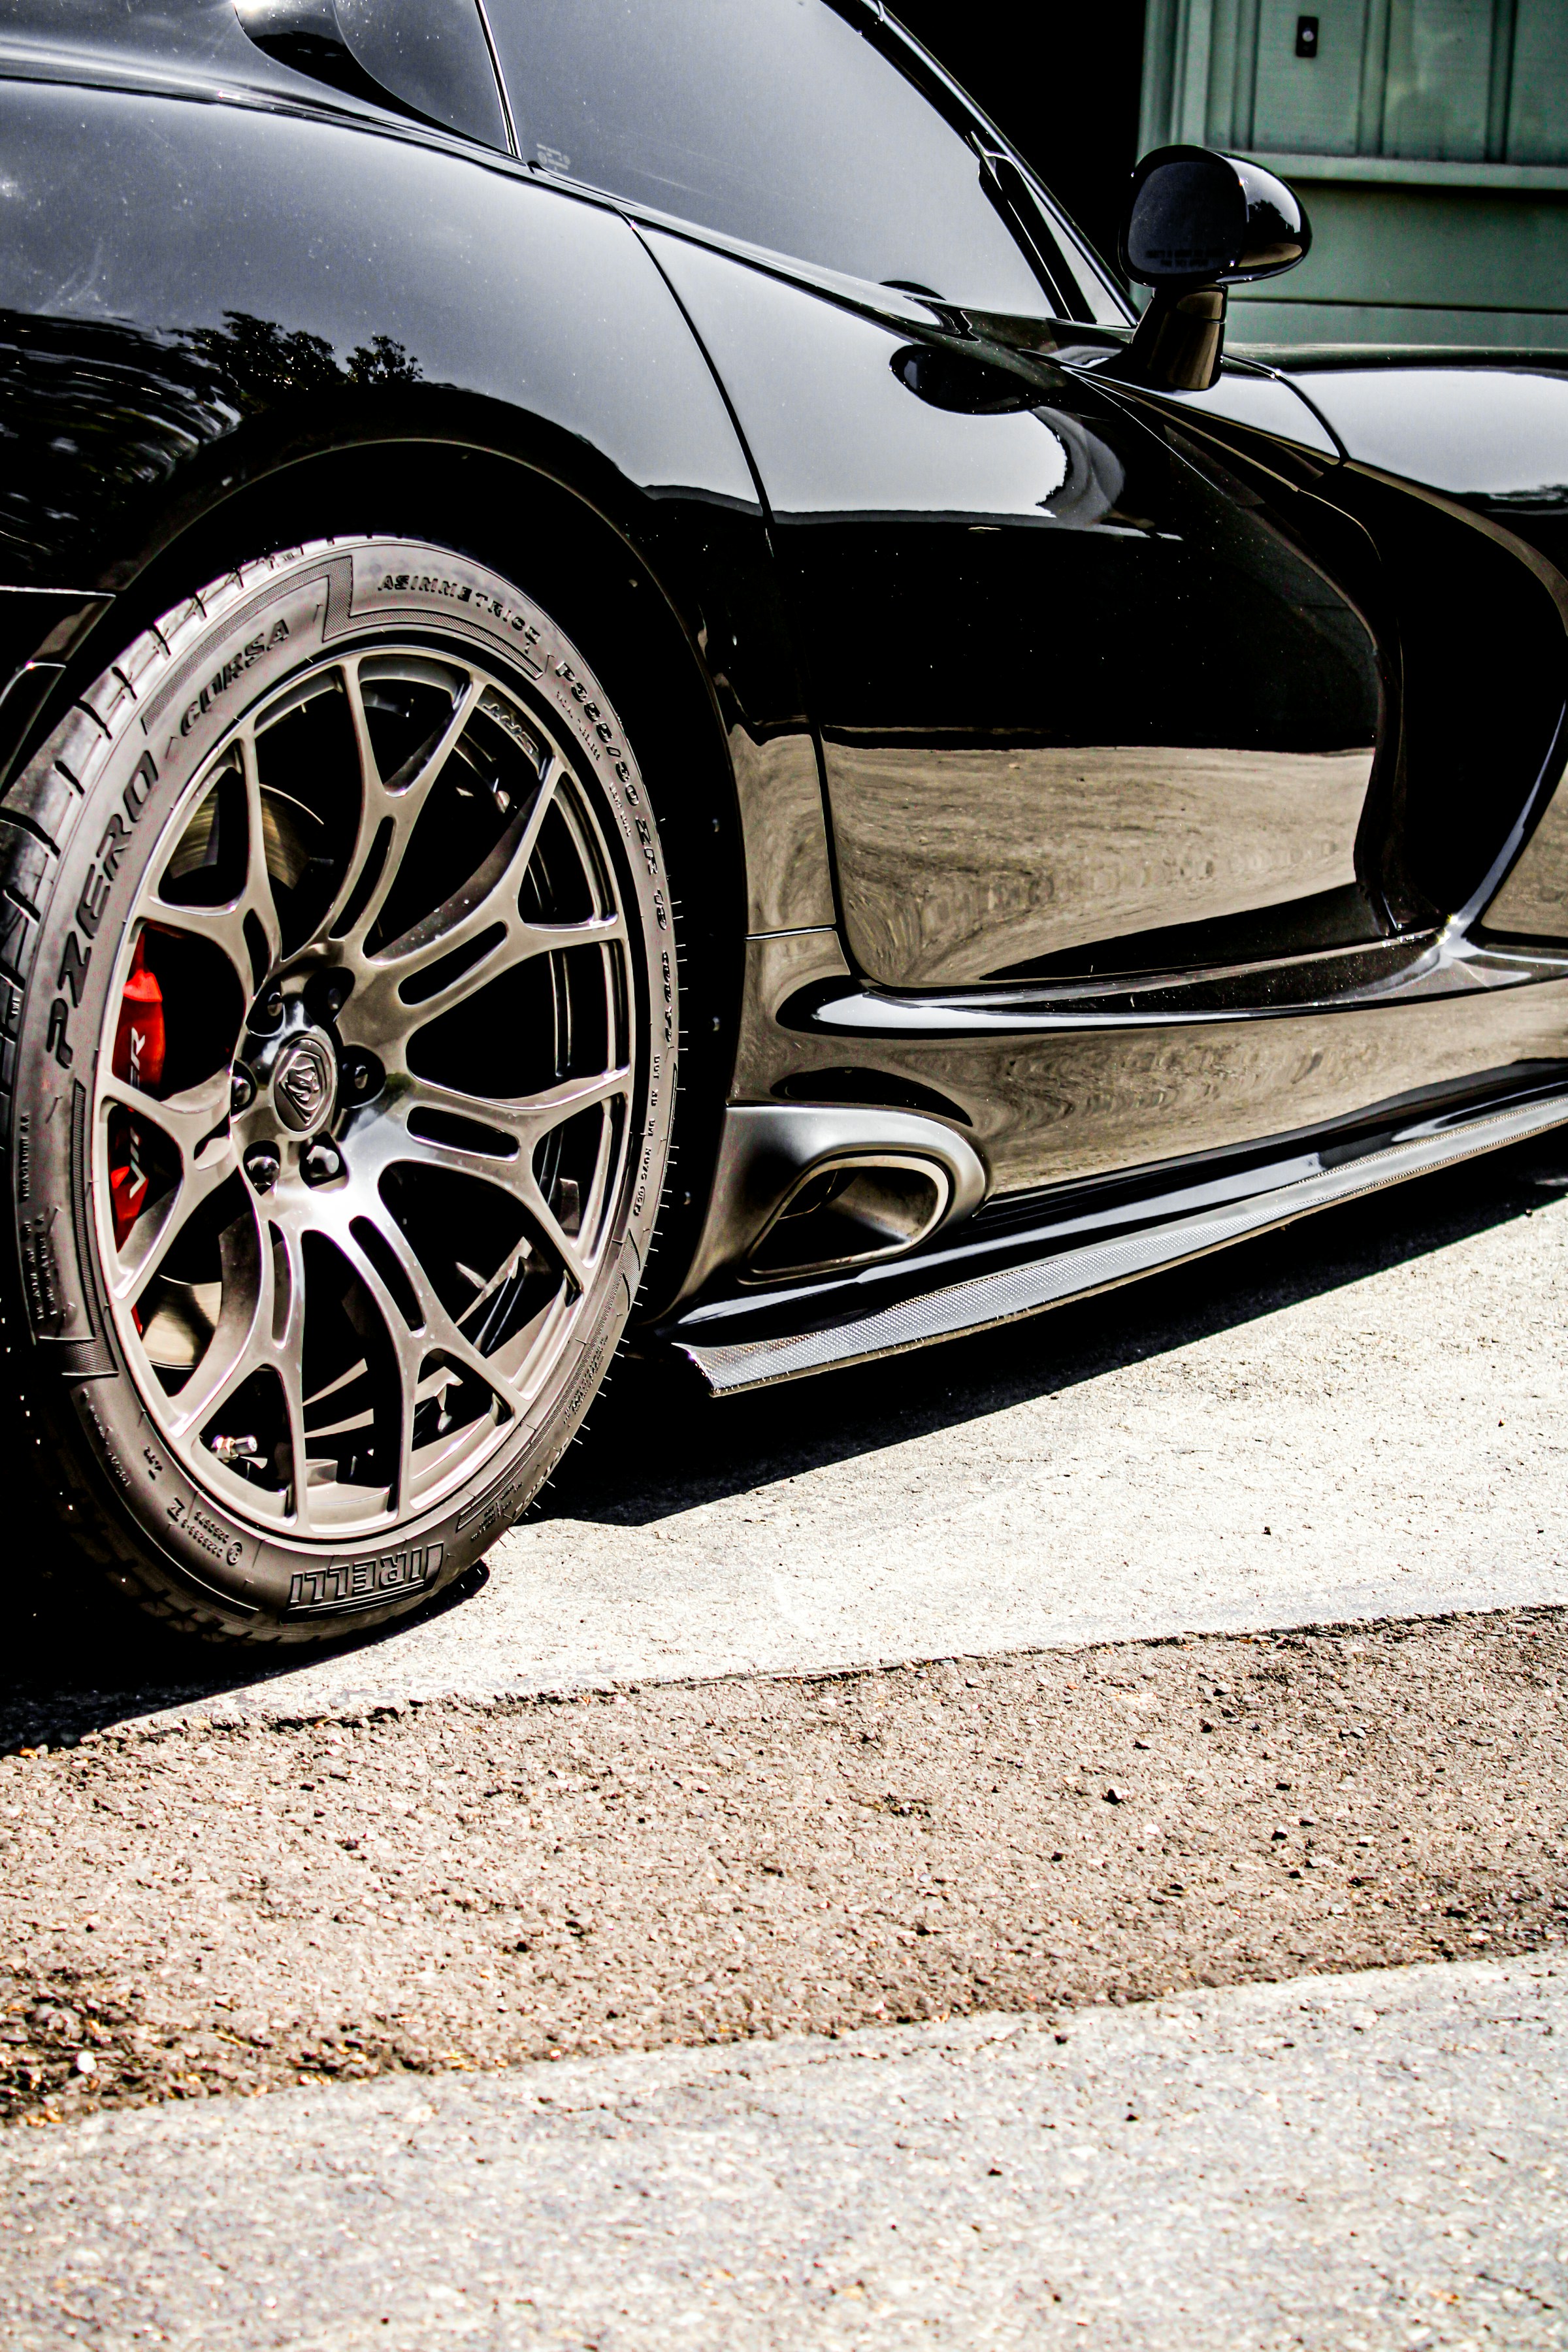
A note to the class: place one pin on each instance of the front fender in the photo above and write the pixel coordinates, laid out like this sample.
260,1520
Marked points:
197,295
1491,434
173,271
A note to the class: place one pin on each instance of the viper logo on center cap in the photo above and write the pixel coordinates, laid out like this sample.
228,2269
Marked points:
304,1083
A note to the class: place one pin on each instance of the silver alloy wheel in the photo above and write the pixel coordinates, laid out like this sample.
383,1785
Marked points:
362,1107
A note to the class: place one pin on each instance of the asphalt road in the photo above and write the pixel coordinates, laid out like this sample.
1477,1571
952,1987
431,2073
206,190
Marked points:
1093,1677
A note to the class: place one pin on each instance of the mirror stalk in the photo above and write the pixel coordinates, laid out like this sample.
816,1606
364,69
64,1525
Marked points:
1196,224
1180,341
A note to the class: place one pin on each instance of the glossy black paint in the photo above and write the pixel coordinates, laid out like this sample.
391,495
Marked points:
1457,602
223,328
1059,1089
1488,442
1087,1236
1199,219
1128,776
1078,687
279,279
1492,431
432,61
1197,223
195,45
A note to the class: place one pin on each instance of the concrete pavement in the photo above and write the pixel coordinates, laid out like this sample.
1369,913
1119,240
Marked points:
1364,2164
1360,1418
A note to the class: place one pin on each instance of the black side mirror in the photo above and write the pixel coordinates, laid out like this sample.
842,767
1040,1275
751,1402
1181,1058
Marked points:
1197,223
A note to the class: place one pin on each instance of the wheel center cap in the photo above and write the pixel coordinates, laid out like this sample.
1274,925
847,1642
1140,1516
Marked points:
305,1083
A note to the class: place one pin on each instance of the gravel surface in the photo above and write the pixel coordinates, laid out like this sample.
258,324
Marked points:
1373,2164
1360,1416
188,1913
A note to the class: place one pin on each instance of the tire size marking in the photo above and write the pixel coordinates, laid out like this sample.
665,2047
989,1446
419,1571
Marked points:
620,766
209,1533
105,1438
48,1308
588,1377
651,1133
498,1506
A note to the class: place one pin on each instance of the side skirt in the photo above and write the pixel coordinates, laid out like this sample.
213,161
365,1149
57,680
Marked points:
729,1360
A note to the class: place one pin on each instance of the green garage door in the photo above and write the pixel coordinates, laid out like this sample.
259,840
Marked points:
1429,139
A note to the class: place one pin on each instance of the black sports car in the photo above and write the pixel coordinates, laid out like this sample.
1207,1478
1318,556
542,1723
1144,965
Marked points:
635,701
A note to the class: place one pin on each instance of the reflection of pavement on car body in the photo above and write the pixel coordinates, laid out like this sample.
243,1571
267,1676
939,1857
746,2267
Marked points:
970,862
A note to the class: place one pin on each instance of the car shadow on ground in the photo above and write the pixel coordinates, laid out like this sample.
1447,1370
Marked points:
628,1473
657,1444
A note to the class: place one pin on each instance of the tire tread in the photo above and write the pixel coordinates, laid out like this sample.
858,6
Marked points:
38,817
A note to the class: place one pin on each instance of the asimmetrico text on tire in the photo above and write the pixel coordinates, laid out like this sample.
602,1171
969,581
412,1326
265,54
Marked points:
85,820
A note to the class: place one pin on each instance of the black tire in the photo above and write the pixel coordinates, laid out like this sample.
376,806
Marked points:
195,852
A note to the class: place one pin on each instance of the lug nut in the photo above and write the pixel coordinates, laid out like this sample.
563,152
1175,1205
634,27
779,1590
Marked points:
262,1166
361,1076
320,1162
241,1090
327,992
267,1011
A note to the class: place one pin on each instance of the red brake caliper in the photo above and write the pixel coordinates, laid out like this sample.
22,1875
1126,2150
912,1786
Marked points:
139,1060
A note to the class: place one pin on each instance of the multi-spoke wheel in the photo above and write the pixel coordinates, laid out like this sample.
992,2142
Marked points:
344,1081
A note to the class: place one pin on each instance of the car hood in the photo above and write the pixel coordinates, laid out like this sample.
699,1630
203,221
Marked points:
1492,432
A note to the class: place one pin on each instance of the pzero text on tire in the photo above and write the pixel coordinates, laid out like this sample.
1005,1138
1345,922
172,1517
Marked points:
341,981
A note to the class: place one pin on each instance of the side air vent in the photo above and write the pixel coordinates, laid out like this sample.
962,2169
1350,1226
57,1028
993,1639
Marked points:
870,1090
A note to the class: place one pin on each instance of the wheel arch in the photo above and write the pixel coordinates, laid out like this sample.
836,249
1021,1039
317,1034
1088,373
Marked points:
363,327
621,586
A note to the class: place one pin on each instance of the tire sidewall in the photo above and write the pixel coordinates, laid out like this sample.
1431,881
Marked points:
147,732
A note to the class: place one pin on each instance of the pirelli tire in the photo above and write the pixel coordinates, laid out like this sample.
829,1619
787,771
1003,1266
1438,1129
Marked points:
341,1019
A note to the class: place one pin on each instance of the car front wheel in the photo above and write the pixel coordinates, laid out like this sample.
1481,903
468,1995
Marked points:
341,1018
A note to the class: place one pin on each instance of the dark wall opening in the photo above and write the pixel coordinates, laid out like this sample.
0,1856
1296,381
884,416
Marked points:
1062,82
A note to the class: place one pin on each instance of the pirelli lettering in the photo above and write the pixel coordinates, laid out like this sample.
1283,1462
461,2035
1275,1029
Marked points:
360,1583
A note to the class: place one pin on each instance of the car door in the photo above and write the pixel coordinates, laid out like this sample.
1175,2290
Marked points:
1078,705
1085,706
